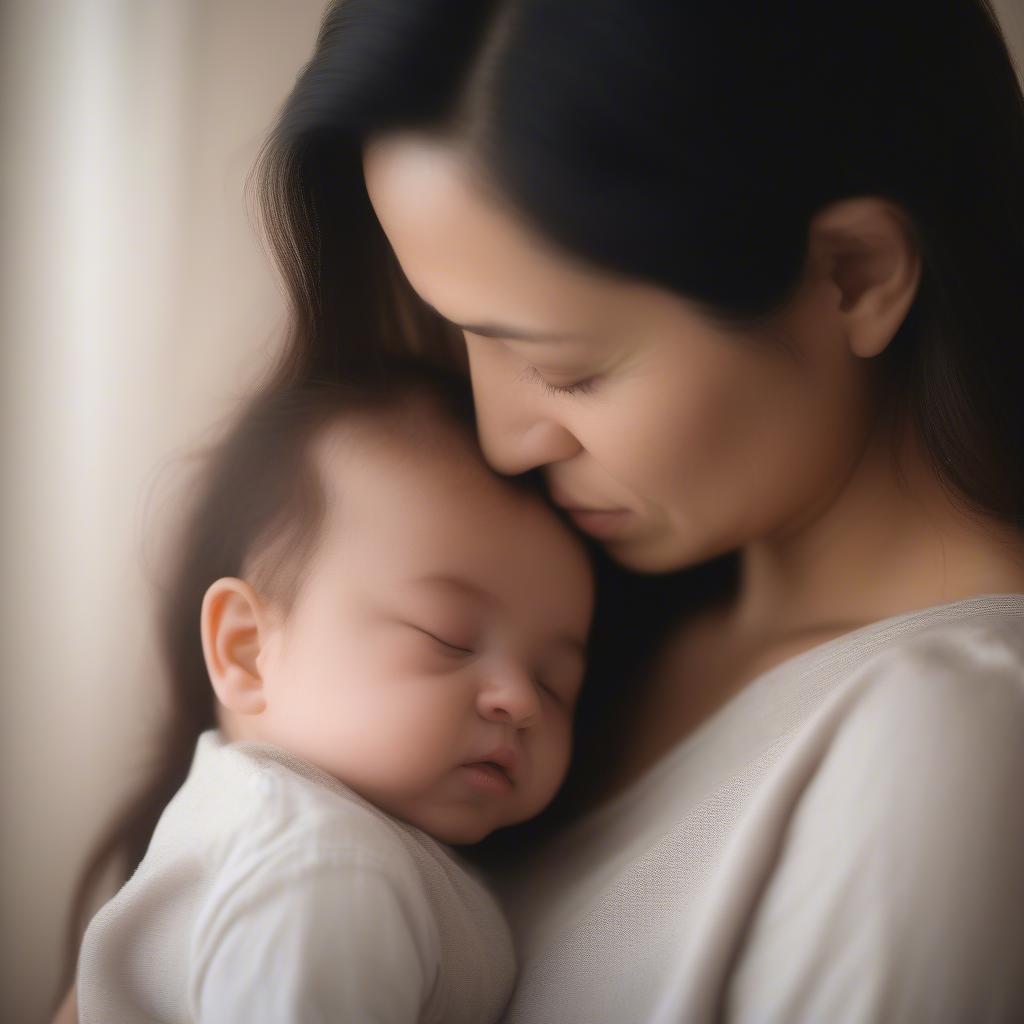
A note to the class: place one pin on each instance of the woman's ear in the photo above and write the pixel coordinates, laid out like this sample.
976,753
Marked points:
866,250
235,626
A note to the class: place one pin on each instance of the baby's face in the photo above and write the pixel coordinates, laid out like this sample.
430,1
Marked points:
433,656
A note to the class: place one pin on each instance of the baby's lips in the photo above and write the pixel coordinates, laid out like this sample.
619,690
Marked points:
506,758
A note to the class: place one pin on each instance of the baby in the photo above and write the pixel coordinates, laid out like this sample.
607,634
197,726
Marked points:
395,665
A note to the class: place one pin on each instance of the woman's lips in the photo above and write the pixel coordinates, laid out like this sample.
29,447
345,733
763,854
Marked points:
600,522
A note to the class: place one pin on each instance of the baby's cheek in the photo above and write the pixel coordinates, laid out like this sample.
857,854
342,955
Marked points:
411,655
425,724
551,765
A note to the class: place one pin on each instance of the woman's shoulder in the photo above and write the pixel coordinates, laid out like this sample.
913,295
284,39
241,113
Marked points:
957,679
926,740
899,847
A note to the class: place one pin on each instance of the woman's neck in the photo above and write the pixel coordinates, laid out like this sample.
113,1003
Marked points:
891,540
888,543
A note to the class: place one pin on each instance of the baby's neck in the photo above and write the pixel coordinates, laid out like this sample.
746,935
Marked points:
234,728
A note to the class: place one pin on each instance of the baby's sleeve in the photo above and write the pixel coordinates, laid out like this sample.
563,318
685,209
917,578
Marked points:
317,936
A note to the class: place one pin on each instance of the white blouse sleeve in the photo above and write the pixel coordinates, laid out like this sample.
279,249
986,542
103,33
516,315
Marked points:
898,889
318,937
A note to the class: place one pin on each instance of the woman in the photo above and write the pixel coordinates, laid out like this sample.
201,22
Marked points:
742,284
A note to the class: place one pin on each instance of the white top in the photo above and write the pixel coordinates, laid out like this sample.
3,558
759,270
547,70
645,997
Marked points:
843,841
272,894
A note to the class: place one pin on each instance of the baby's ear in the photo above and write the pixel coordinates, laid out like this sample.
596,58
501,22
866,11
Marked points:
235,624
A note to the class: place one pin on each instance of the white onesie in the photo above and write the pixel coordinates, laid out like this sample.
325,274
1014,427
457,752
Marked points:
272,893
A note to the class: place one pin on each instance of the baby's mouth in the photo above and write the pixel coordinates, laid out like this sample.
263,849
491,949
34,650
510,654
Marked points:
502,761
491,775
497,767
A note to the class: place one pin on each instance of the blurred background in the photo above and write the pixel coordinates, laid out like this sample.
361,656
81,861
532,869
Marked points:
136,307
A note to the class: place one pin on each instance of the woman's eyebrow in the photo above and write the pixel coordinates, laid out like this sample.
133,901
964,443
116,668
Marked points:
504,331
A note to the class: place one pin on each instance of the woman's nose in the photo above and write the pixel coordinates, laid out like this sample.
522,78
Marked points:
509,696
516,429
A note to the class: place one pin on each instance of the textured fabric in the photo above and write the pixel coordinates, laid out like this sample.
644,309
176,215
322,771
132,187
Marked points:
843,841
271,894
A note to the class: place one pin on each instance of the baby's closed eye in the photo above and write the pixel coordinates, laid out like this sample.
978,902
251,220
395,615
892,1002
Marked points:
451,643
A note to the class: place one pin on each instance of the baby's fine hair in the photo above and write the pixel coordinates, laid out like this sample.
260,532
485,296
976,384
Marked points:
262,503
255,513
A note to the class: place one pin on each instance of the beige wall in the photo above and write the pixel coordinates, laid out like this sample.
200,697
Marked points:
135,305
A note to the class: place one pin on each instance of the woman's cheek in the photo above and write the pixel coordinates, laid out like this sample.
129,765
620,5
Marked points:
648,447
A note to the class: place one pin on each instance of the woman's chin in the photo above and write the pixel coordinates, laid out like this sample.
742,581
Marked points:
654,556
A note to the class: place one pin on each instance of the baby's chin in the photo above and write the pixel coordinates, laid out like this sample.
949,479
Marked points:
463,837
458,820
463,834
462,830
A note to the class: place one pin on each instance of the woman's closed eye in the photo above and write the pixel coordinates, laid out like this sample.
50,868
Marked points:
552,692
581,387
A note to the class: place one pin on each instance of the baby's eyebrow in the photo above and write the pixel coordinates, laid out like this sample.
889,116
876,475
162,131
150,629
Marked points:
458,583
478,593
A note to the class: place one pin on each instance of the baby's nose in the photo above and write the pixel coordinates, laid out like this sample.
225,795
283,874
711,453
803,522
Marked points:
509,696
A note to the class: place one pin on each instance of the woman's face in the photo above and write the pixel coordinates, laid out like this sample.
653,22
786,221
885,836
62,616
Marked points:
675,438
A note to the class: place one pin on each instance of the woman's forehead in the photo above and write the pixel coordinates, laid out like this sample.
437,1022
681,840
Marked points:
467,254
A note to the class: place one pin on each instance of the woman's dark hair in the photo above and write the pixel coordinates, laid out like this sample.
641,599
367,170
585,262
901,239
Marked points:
689,145
256,513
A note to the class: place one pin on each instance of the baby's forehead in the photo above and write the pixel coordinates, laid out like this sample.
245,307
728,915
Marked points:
402,465
412,498
414,436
